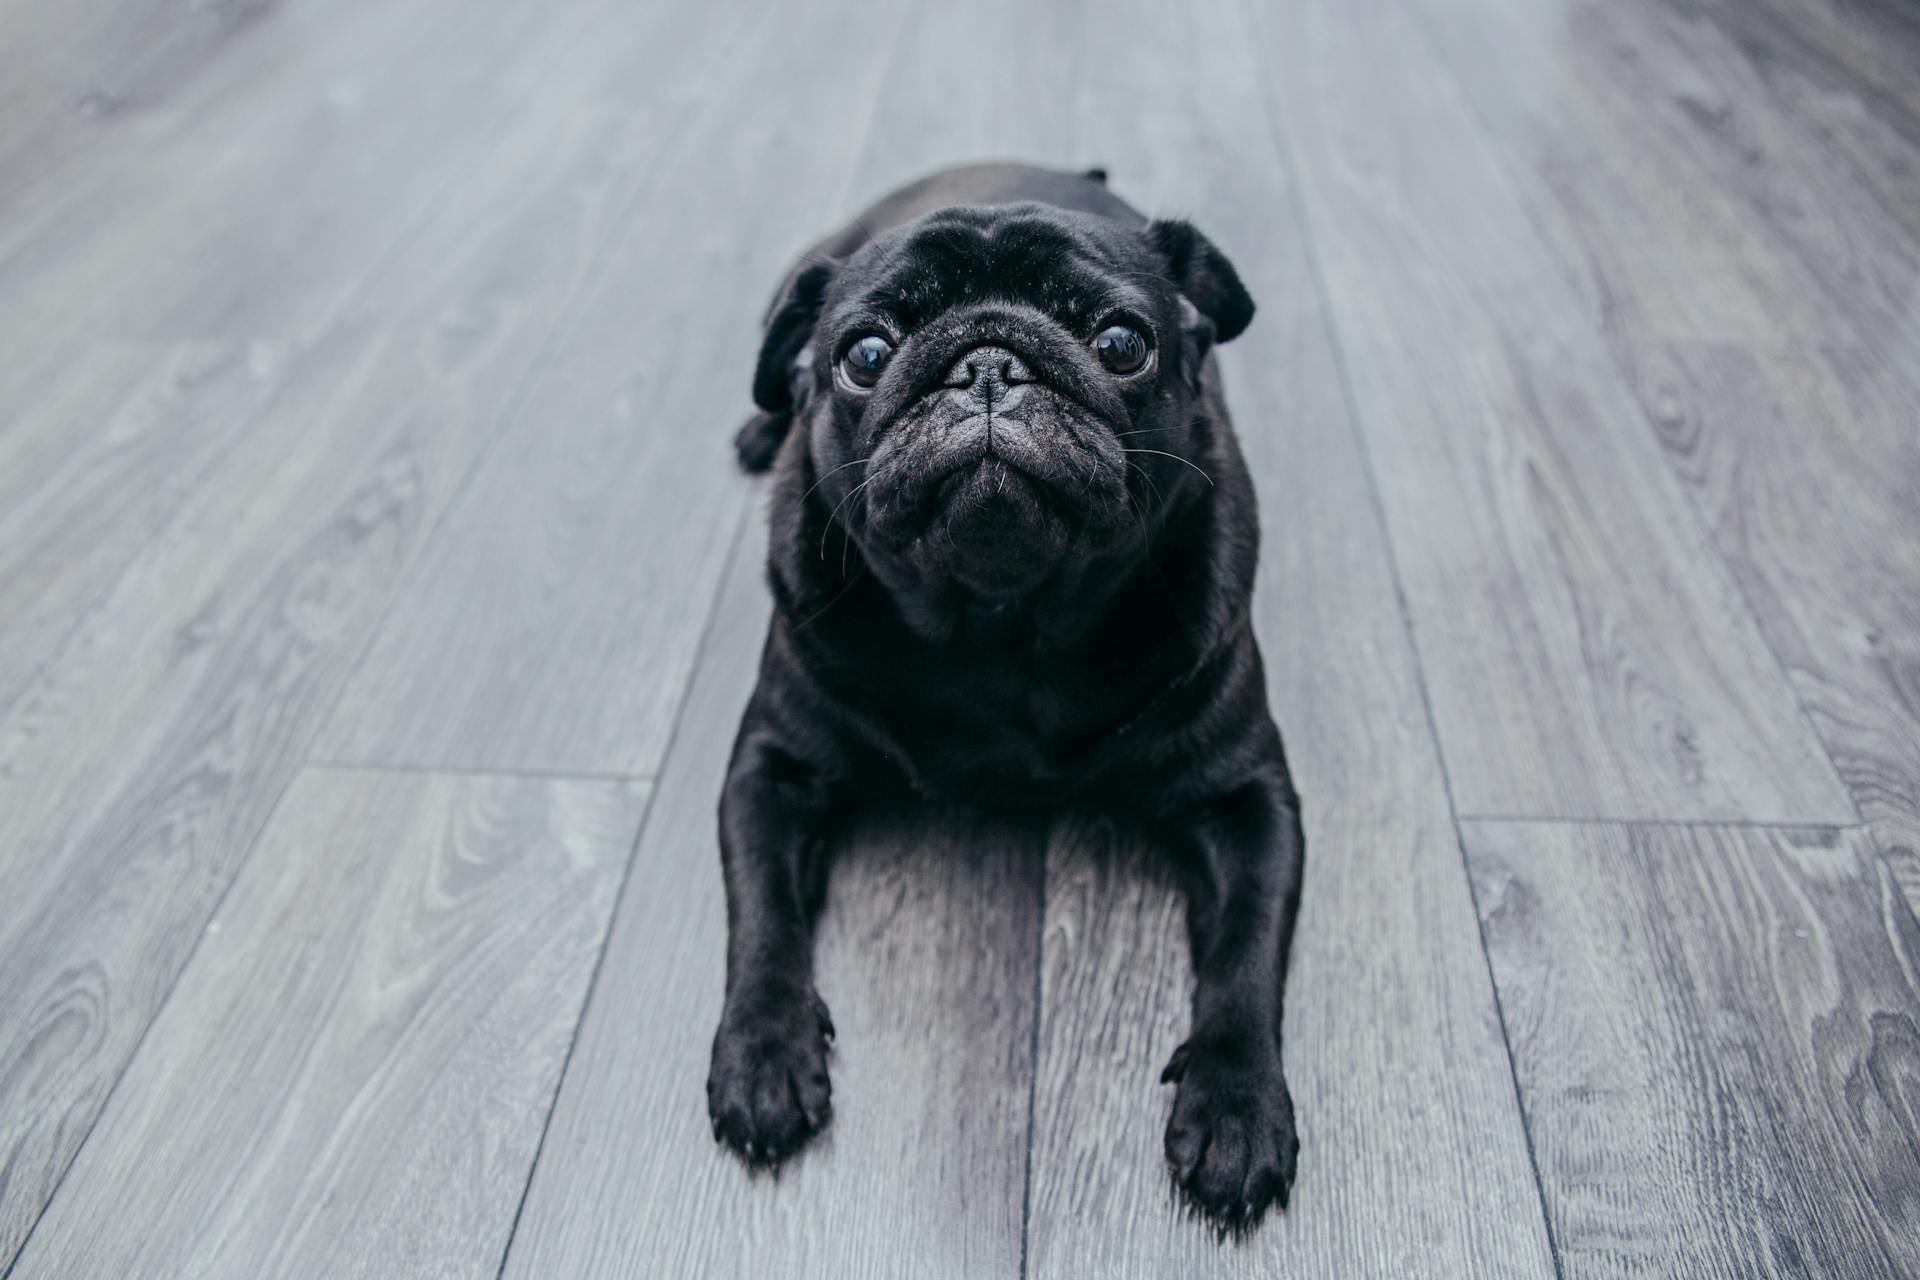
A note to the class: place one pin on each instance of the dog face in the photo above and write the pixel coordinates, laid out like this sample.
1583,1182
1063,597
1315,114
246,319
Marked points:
991,393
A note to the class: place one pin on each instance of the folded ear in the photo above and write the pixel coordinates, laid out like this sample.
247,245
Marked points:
1203,275
789,326
789,329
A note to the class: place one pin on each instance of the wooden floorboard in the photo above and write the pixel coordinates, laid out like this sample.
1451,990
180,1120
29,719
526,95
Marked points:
1860,115
1794,173
138,765
1824,575
369,534
1873,44
929,950
90,469
97,462
574,573
153,739
66,72
256,199
1793,166
1014,100
1586,652
354,1071
1393,1049
926,958
1606,157
1716,1033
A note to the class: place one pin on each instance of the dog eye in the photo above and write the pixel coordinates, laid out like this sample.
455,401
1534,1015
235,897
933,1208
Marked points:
866,360
1120,349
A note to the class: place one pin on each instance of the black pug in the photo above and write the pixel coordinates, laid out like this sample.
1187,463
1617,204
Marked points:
1012,553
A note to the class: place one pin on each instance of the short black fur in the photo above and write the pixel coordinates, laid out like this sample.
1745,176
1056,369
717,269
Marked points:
1007,575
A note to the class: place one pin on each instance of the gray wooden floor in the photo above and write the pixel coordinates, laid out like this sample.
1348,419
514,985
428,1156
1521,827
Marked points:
377,599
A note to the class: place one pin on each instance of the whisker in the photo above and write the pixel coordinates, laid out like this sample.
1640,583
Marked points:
836,471
1159,499
1176,457
836,511
1141,518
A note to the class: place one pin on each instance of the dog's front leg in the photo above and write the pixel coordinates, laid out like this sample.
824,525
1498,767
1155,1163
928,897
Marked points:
767,1089
1231,1140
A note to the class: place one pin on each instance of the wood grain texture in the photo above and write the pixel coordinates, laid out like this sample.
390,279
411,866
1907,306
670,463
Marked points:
1796,164
141,761
928,953
1804,464
353,1074
110,443
1776,206
138,764
1605,152
1413,1157
926,957
1586,653
255,200
1862,126
63,70
1717,1037
612,493
1014,100
1875,44
415,332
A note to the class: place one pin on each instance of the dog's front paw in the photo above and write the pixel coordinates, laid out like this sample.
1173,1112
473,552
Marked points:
1231,1142
767,1089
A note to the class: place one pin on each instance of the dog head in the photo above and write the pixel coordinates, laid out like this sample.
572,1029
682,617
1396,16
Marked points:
990,393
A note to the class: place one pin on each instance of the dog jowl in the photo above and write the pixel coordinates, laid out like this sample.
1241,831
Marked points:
1012,553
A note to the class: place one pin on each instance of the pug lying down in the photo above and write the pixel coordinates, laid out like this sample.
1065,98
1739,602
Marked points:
1012,555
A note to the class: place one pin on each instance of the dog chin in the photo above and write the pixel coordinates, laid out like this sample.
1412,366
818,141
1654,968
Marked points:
995,532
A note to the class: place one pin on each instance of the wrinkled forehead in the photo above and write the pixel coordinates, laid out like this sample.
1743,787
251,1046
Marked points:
1077,268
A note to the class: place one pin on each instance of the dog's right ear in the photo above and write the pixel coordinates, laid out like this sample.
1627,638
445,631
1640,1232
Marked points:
789,329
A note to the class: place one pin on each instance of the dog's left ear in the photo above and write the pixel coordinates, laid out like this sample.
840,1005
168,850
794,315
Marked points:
1204,277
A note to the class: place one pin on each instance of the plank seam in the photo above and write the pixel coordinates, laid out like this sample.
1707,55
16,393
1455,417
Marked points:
1502,161
1859,342
606,939
1033,1050
300,352
1283,152
511,405
476,771
1685,824
1075,132
133,1055
498,429
742,522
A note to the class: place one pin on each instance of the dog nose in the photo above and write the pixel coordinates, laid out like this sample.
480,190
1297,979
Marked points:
985,370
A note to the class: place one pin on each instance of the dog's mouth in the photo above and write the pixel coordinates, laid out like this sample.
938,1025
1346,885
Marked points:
927,466
996,501
996,528
995,476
